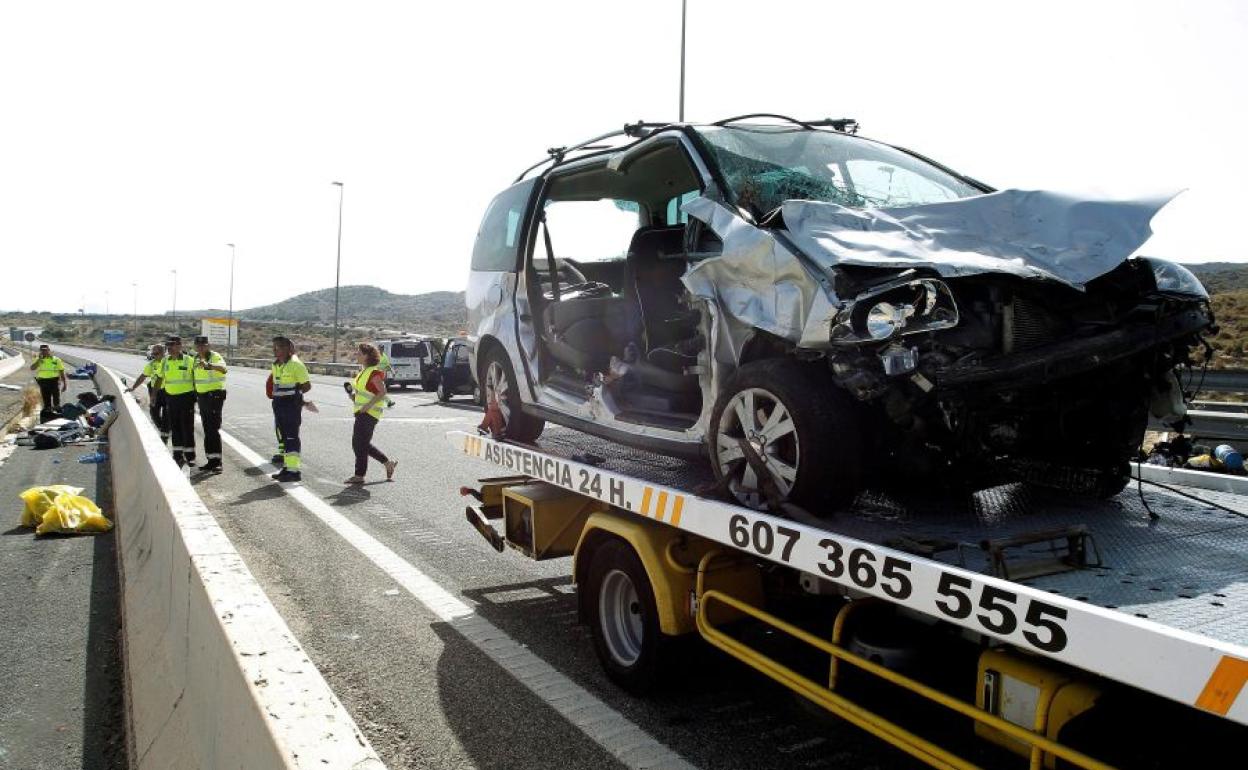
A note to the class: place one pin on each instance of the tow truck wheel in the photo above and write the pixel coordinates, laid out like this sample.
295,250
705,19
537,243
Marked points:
624,618
500,386
802,429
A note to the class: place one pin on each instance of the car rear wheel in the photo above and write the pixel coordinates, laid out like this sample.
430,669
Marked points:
500,387
801,427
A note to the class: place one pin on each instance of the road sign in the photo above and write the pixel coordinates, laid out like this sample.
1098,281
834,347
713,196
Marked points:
222,332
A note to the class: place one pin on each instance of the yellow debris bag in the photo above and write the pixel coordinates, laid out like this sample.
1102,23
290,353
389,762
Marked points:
68,513
39,500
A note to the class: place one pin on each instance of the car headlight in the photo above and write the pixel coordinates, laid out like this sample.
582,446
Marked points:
900,308
885,318
1172,278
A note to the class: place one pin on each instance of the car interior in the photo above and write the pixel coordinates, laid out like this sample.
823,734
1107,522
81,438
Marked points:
620,311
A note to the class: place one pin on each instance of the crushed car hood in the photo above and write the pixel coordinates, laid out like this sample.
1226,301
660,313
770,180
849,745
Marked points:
1028,233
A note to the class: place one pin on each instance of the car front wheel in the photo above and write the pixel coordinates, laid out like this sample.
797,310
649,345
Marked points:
802,429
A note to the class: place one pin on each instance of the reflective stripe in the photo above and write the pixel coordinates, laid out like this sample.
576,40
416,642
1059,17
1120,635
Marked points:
281,394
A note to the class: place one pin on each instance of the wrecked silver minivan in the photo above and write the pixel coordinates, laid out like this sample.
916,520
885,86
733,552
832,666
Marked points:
817,312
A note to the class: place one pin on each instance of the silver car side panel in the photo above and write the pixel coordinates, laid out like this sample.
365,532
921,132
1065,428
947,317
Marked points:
492,313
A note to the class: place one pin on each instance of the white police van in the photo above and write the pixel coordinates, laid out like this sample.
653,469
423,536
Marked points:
413,361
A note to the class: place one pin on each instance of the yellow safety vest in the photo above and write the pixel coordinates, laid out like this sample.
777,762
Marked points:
208,380
178,375
363,395
288,377
154,370
50,368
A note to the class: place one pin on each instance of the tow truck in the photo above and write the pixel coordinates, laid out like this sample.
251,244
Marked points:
1018,624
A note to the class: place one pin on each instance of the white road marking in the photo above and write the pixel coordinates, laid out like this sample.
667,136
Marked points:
617,735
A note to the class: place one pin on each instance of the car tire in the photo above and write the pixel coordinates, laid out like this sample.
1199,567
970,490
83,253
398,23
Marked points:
498,376
812,447
443,396
623,617
427,386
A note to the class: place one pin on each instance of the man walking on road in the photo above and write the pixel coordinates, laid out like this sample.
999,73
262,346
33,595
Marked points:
179,386
50,374
210,395
290,382
153,374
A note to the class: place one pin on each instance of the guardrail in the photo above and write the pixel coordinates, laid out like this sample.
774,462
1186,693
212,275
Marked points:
214,676
340,369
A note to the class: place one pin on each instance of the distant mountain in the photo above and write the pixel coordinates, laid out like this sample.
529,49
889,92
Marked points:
1222,277
366,305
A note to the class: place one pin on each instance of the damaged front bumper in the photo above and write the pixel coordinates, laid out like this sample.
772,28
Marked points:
1044,365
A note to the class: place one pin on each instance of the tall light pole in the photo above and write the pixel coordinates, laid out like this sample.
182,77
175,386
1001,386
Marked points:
135,286
683,3
106,312
229,339
176,328
337,270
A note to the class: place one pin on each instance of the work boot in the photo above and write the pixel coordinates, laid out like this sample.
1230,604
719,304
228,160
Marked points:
287,475
213,466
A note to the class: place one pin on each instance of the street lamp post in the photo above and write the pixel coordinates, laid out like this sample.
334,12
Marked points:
337,270
682,60
135,287
177,330
229,338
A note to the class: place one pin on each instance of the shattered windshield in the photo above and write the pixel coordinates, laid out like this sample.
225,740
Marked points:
767,165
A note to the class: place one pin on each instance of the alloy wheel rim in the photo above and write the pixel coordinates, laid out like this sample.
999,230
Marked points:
619,613
761,419
496,389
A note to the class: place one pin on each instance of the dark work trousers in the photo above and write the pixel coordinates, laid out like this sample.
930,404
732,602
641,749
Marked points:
50,390
287,416
160,414
210,406
181,410
362,443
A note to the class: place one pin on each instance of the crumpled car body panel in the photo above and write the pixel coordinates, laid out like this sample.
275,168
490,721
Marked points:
759,283
1030,234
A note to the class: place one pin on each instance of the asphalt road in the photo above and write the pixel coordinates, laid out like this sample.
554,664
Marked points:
61,704
448,654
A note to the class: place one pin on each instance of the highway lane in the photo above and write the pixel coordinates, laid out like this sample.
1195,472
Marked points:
416,679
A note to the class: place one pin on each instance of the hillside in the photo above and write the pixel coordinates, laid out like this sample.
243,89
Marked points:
1222,277
365,304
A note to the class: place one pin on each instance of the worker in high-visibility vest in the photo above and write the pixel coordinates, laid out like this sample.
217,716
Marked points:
179,386
210,372
50,375
290,382
153,371
369,394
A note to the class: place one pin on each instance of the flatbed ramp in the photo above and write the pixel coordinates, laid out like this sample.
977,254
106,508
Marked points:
1158,603
1175,560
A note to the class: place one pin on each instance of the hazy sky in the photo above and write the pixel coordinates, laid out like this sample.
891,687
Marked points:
138,138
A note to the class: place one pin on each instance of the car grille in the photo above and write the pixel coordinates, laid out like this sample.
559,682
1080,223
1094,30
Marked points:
1028,325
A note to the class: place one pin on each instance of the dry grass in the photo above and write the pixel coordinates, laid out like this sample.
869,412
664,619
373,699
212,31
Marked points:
31,401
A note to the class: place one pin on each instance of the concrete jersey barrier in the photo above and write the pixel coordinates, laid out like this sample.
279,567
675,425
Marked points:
214,677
